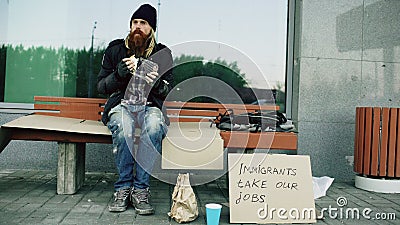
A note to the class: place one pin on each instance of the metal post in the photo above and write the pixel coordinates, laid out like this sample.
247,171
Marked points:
159,4
90,81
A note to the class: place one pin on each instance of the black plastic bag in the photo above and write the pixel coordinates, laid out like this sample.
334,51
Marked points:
253,122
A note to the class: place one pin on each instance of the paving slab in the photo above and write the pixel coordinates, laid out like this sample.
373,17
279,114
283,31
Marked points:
29,197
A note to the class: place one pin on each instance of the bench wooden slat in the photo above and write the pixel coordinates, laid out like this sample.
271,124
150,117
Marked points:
263,140
189,119
191,112
69,99
252,107
199,105
47,107
48,113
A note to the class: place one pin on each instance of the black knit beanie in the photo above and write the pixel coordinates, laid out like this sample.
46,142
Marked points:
148,13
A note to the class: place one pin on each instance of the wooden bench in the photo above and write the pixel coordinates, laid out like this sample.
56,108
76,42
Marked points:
73,122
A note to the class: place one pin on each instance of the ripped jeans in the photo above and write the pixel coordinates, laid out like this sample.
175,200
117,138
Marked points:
123,120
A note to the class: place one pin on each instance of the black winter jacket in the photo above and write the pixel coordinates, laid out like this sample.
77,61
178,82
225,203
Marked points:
109,82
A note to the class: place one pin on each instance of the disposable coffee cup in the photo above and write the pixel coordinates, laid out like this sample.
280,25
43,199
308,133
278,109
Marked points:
213,213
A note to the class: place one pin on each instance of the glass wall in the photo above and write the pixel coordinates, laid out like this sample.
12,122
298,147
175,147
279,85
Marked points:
55,47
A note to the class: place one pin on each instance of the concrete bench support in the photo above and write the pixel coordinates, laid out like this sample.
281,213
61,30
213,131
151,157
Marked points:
71,167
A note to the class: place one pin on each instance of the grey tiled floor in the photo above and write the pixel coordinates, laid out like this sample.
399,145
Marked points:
29,197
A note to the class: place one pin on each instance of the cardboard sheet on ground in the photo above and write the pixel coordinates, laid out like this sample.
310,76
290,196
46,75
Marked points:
268,188
192,145
59,124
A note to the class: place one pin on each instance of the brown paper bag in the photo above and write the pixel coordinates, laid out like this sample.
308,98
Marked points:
184,204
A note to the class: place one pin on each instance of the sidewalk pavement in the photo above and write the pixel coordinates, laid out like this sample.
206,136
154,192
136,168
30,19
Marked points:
29,197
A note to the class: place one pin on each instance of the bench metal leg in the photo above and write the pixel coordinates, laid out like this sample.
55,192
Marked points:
71,167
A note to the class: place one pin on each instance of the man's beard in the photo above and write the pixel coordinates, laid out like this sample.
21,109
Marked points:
137,41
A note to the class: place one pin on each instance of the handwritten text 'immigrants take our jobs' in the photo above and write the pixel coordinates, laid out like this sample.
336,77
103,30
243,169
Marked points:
247,182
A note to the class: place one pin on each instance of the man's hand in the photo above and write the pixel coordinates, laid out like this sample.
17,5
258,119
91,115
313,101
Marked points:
132,63
151,77
127,67
123,69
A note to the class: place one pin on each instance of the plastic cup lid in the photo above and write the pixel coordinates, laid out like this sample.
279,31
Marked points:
213,206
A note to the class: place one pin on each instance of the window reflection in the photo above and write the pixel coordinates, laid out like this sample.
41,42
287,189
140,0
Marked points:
49,51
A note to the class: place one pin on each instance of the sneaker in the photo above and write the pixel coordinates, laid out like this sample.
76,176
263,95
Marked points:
140,201
121,201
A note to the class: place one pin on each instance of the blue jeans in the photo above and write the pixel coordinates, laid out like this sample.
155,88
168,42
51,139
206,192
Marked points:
123,121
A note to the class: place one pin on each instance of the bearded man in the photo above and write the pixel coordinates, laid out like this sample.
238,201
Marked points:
117,77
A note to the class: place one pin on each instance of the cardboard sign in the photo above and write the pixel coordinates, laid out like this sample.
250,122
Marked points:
192,145
268,188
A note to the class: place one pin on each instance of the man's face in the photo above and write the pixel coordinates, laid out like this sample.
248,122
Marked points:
140,31
142,25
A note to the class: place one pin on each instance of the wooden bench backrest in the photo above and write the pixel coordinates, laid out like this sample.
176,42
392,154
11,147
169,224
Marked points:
80,108
92,108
